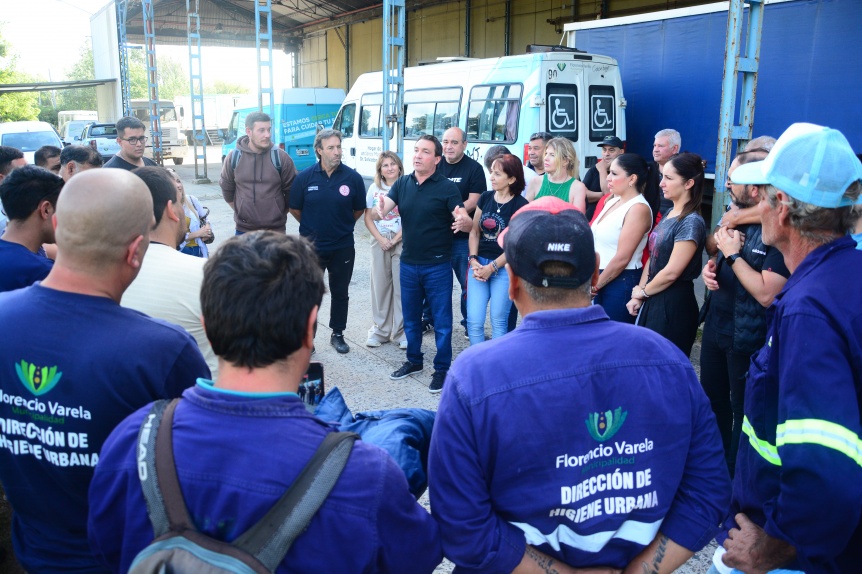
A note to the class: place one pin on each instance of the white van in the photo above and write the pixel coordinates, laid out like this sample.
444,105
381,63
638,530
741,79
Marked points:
496,101
29,137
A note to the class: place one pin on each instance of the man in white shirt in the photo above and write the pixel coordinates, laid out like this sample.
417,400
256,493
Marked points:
169,283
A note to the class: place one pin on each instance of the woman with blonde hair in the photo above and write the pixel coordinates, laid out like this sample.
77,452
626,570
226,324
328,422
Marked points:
199,230
561,175
388,323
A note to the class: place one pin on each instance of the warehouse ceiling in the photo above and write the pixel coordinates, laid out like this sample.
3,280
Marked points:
231,22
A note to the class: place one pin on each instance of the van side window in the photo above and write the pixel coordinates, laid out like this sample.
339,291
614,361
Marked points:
493,112
369,118
430,111
345,119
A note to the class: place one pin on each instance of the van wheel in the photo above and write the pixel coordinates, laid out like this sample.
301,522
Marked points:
178,160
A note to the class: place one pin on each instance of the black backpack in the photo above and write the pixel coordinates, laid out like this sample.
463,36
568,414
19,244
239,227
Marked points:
273,155
179,547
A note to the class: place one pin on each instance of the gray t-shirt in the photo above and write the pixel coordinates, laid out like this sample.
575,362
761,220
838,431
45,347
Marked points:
667,233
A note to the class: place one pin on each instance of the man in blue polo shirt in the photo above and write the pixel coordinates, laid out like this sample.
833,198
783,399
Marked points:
797,490
327,199
427,202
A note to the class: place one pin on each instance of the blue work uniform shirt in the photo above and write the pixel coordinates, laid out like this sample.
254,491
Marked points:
327,204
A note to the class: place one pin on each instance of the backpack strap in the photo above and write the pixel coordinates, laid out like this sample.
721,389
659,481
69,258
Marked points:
276,158
157,472
271,538
234,158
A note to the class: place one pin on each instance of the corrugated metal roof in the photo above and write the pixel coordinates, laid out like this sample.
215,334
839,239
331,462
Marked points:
231,22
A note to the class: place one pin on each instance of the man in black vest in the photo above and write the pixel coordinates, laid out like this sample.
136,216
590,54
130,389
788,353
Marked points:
743,279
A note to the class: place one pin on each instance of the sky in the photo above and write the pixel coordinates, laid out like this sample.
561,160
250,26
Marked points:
47,36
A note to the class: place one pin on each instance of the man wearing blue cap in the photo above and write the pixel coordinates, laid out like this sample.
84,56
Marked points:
797,491
556,446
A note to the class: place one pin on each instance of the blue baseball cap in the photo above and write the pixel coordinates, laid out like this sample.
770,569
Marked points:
811,163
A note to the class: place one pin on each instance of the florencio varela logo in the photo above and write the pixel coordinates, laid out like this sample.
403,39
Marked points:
603,426
37,380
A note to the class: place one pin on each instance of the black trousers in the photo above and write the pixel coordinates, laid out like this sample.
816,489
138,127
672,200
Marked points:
723,373
339,264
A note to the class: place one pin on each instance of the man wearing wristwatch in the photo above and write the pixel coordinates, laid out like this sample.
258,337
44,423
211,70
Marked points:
743,279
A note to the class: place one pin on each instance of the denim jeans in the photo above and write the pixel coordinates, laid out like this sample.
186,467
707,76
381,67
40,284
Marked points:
479,293
614,296
195,251
460,251
434,284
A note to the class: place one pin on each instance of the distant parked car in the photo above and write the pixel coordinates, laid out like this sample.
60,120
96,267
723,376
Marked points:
102,138
71,132
29,136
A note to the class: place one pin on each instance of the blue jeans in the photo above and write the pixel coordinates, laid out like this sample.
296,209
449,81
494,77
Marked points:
460,251
196,251
479,293
614,296
434,284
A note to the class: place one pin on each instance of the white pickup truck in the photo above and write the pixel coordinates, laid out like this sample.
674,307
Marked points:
102,138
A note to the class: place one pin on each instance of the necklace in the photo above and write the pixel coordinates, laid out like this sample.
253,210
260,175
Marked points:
500,205
556,187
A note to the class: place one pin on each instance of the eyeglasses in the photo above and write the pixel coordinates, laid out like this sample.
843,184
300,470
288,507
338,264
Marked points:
135,141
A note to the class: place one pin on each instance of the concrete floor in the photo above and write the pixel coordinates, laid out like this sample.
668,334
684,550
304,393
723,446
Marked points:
363,374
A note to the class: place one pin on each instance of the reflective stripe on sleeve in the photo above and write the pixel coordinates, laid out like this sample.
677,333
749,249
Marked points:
818,432
763,448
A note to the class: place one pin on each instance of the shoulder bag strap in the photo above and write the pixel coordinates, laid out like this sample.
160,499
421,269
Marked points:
157,473
270,539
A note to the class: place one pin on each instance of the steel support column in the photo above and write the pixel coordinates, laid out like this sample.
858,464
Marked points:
265,91
152,80
394,46
734,64
123,47
196,90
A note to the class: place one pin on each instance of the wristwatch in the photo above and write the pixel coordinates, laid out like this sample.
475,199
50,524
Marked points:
731,259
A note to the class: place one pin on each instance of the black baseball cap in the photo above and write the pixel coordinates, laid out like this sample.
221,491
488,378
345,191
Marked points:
549,229
612,140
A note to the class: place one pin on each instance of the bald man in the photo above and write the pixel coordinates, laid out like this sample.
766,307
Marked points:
74,363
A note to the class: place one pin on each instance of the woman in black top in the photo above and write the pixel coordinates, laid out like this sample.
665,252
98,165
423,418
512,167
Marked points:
665,295
487,280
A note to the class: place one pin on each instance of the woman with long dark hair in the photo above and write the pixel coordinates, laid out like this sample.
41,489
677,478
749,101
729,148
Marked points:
664,299
620,232
487,279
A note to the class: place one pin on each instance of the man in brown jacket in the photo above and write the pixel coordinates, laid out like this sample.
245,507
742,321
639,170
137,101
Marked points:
256,178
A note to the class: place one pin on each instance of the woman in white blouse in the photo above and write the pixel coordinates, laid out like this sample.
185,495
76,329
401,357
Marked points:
620,232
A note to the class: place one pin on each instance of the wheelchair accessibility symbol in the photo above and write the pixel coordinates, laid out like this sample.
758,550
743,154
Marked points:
602,113
561,113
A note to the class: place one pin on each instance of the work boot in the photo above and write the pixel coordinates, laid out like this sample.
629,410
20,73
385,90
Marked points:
337,341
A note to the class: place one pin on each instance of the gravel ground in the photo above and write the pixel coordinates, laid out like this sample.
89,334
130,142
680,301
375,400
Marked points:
362,374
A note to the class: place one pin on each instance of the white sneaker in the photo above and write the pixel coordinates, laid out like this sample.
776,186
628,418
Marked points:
372,343
402,345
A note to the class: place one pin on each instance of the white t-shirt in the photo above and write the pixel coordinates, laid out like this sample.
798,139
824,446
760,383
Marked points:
391,223
607,228
168,287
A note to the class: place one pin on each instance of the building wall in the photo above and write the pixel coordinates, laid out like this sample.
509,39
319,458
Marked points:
439,31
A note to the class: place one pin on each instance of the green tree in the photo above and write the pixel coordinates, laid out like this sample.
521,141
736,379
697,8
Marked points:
83,69
223,87
16,106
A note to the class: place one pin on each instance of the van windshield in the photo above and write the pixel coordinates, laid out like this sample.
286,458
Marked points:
29,141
